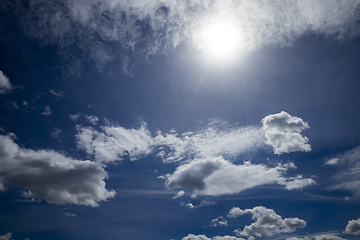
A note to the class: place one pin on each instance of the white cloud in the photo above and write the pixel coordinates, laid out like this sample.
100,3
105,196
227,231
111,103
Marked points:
179,194
332,161
353,227
328,237
75,117
348,177
267,222
5,85
6,236
49,175
220,221
47,111
216,176
55,93
218,139
92,119
298,238
97,27
282,132
67,214
203,237
114,142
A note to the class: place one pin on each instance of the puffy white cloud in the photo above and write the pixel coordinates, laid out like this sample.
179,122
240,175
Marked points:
203,237
92,119
5,85
114,142
328,237
179,194
216,176
353,227
267,222
97,27
282,132
51,176
220,221
75,117
6,236
348,176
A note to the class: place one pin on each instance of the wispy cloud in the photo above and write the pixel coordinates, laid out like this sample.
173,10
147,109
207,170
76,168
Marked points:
104,30
49,175
203,237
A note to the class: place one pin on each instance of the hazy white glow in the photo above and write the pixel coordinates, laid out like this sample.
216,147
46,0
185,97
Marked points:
221,39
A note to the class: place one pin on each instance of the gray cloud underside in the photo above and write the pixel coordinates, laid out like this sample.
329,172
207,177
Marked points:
267,222
216,176
353,227
103,30
51,176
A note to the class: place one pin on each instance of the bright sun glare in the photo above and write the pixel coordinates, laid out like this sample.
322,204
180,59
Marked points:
221,39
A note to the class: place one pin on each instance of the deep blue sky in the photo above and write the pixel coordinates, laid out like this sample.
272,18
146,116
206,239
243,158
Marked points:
118,121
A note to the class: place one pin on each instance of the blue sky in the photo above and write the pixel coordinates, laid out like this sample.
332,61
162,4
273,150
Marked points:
184,120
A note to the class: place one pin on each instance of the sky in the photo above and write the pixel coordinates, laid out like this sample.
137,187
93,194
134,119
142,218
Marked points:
179,120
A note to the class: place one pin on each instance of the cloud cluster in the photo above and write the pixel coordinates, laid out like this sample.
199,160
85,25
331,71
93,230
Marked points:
5,85
347,178
51,176
282,132
267,222
216,176
220,221
103,30
203,237
353,227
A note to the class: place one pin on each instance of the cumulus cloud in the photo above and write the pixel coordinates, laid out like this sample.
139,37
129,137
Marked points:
5,85
348,177
179,194
267,222
74,117
203,237
92,119
282,132
6,236
220,221
49,175
353,227
216,176
103,30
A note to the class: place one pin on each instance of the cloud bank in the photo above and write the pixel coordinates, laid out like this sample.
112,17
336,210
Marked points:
267,222
104,30
216,176
51,176
282,132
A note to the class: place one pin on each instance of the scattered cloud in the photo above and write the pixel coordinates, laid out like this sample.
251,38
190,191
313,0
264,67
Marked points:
142,28
5,85
114,142
267,222
179,194
332,161
55,93
67,214
47,111
49,175
75,117
348,176
353,227
216,176
92,119
203,237
328,237
13,104
220,221
282,132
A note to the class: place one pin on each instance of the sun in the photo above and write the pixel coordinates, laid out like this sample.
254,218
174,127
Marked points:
221,39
